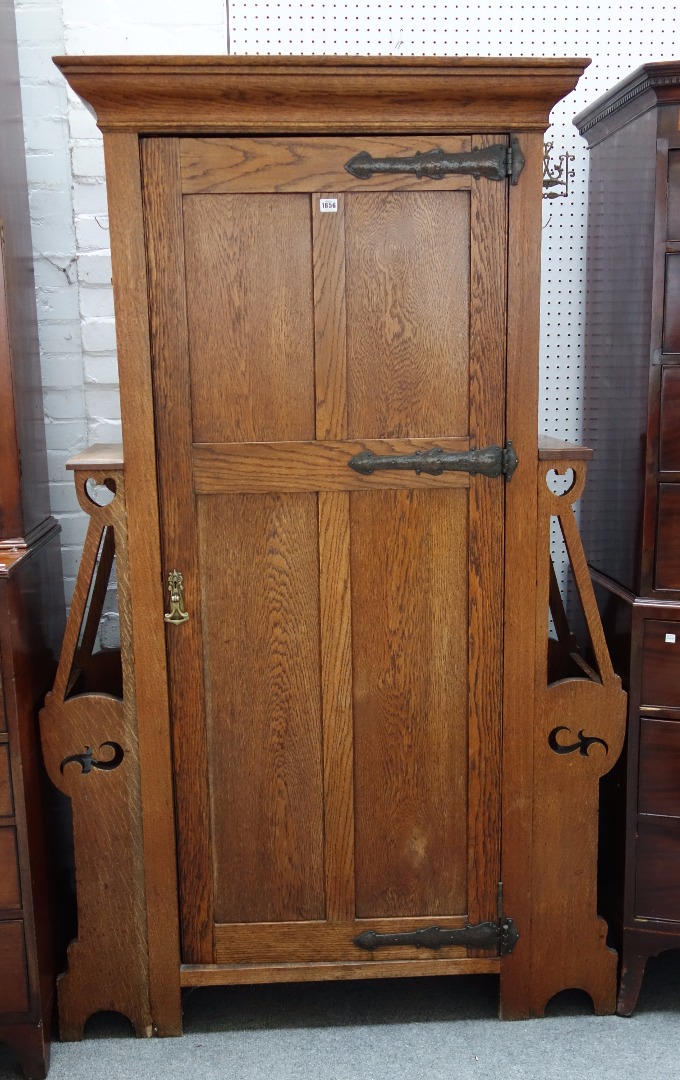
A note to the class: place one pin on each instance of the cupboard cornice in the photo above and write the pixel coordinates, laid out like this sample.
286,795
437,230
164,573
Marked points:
274,94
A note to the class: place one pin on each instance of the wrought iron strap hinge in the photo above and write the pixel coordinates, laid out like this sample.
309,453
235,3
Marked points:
501,937
492,162
491,461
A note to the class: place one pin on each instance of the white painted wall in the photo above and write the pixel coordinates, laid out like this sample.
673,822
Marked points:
69,221
68,197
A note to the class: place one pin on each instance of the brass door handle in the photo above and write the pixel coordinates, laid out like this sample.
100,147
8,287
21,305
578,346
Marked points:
177,613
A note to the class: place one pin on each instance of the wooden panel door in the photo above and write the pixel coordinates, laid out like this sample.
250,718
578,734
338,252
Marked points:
336,690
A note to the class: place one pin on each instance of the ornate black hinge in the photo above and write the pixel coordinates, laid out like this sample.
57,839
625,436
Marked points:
491,461
492,162
501,937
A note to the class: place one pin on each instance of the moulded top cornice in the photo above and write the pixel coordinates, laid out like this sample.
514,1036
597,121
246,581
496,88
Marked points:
279,94
643,89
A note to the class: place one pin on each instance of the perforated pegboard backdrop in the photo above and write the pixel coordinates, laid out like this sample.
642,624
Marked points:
618,40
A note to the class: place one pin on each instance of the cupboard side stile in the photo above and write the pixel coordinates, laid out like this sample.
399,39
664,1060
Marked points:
172,389
128,252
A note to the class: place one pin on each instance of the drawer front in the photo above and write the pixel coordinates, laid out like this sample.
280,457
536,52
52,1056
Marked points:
667,570
660,683
659,782
14,991
657,870
10,891
6,803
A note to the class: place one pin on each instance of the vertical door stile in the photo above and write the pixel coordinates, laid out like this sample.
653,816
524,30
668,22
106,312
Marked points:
488,287
328,242
179,544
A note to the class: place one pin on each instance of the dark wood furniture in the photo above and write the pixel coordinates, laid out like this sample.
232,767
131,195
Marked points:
31,607
339,699
631,513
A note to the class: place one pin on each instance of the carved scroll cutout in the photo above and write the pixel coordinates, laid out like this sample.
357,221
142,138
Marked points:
568,938
107,963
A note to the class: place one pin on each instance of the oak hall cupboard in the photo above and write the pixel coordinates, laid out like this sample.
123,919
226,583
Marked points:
326,283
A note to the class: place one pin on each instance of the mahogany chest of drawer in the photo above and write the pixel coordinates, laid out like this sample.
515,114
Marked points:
631,510
31,608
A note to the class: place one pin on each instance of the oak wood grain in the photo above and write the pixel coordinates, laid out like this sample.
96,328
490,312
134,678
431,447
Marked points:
98,456
105,970
488,332
124,194
281,94
242,165
313,942
233,974
259,561
426,559
564,913
407,272
335,612
524,267
313,466
330,319
252,367
172,387
409,644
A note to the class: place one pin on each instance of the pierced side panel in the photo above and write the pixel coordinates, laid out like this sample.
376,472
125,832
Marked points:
580,725
90,748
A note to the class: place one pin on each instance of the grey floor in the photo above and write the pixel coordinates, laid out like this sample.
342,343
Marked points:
403,1029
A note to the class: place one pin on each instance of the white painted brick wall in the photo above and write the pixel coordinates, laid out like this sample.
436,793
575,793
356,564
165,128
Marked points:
69,221
40,36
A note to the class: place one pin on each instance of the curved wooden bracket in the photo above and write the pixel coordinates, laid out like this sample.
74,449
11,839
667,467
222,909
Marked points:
580,726
89,740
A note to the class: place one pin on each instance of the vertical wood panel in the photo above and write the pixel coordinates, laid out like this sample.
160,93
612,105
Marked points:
6,800
409,585
407,313
10,890
336,676
673,229
259,563
669,441
124,193
671,305
667,567
488,277
249,289
334,562
172,387
330,319
519,612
